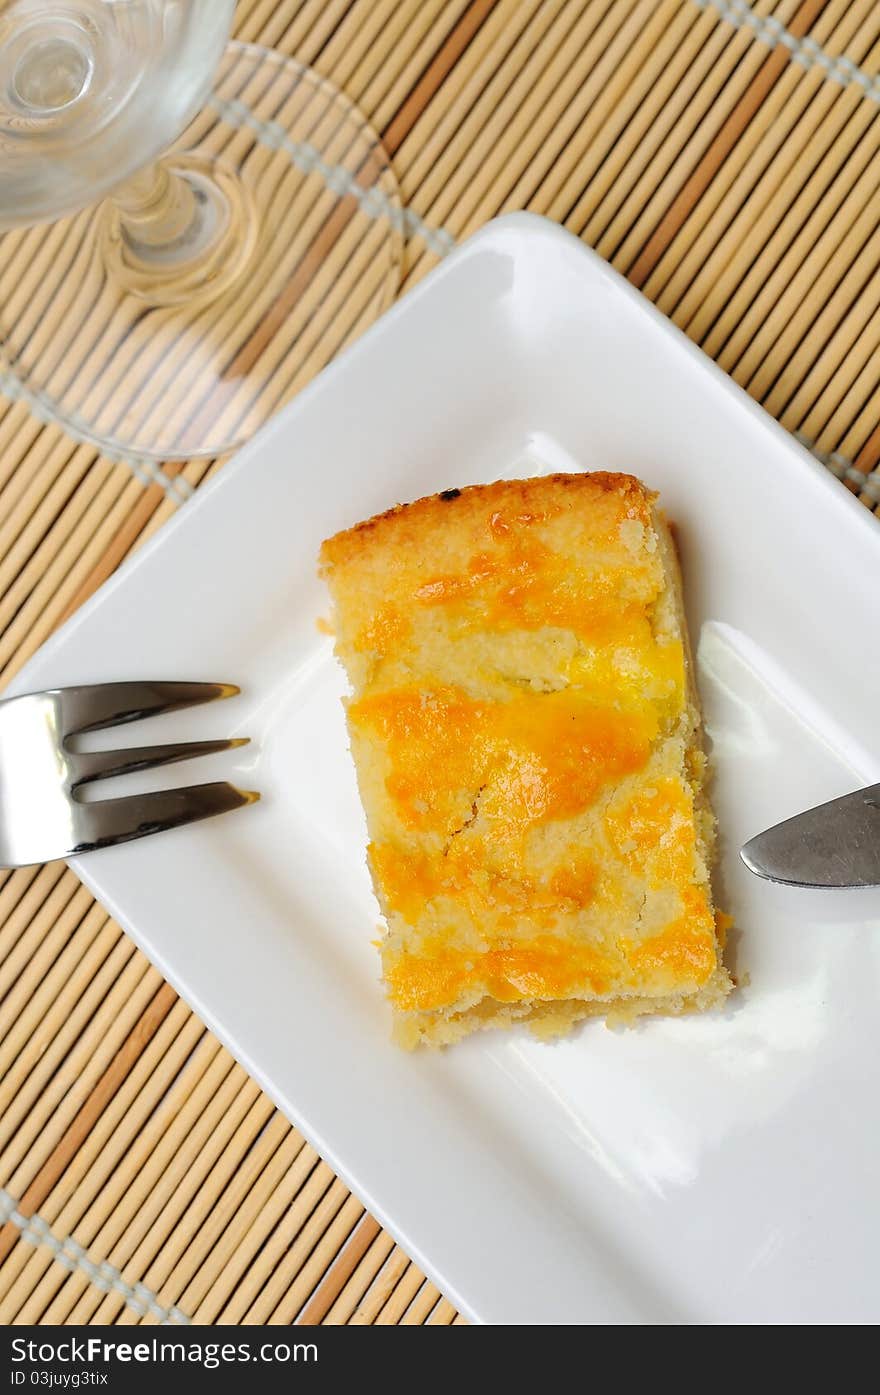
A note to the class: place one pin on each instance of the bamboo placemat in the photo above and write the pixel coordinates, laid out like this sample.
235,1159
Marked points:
724,158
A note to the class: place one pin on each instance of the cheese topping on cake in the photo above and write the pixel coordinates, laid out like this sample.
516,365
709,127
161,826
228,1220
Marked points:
525,732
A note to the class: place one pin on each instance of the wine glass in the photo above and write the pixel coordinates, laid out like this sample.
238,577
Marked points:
176,302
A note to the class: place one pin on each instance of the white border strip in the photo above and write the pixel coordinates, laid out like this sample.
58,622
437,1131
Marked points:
71,1256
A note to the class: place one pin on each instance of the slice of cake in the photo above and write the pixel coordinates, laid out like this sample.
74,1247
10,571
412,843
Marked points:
525,729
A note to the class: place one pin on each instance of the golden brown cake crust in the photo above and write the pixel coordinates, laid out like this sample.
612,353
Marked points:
526,738
453,507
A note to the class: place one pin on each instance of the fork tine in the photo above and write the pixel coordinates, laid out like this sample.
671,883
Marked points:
111,821
97,705
101,765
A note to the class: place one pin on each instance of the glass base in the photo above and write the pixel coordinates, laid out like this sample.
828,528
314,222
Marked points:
316,259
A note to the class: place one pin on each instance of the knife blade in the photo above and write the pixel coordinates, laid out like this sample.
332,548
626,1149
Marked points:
834,845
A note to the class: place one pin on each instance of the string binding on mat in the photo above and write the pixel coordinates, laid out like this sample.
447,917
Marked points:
843,469
44,409
440,241
373,202
806,51
70,1254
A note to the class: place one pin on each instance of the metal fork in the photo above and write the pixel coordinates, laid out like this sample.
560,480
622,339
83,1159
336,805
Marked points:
42,813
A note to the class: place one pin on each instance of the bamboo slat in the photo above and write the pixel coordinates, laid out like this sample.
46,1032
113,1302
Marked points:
731,179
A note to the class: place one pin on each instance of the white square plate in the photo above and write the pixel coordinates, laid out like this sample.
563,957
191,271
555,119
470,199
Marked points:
721,1169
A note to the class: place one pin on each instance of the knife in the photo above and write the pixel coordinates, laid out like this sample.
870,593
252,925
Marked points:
834,845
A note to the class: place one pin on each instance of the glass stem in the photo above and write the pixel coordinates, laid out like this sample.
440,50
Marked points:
158,209
180,230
